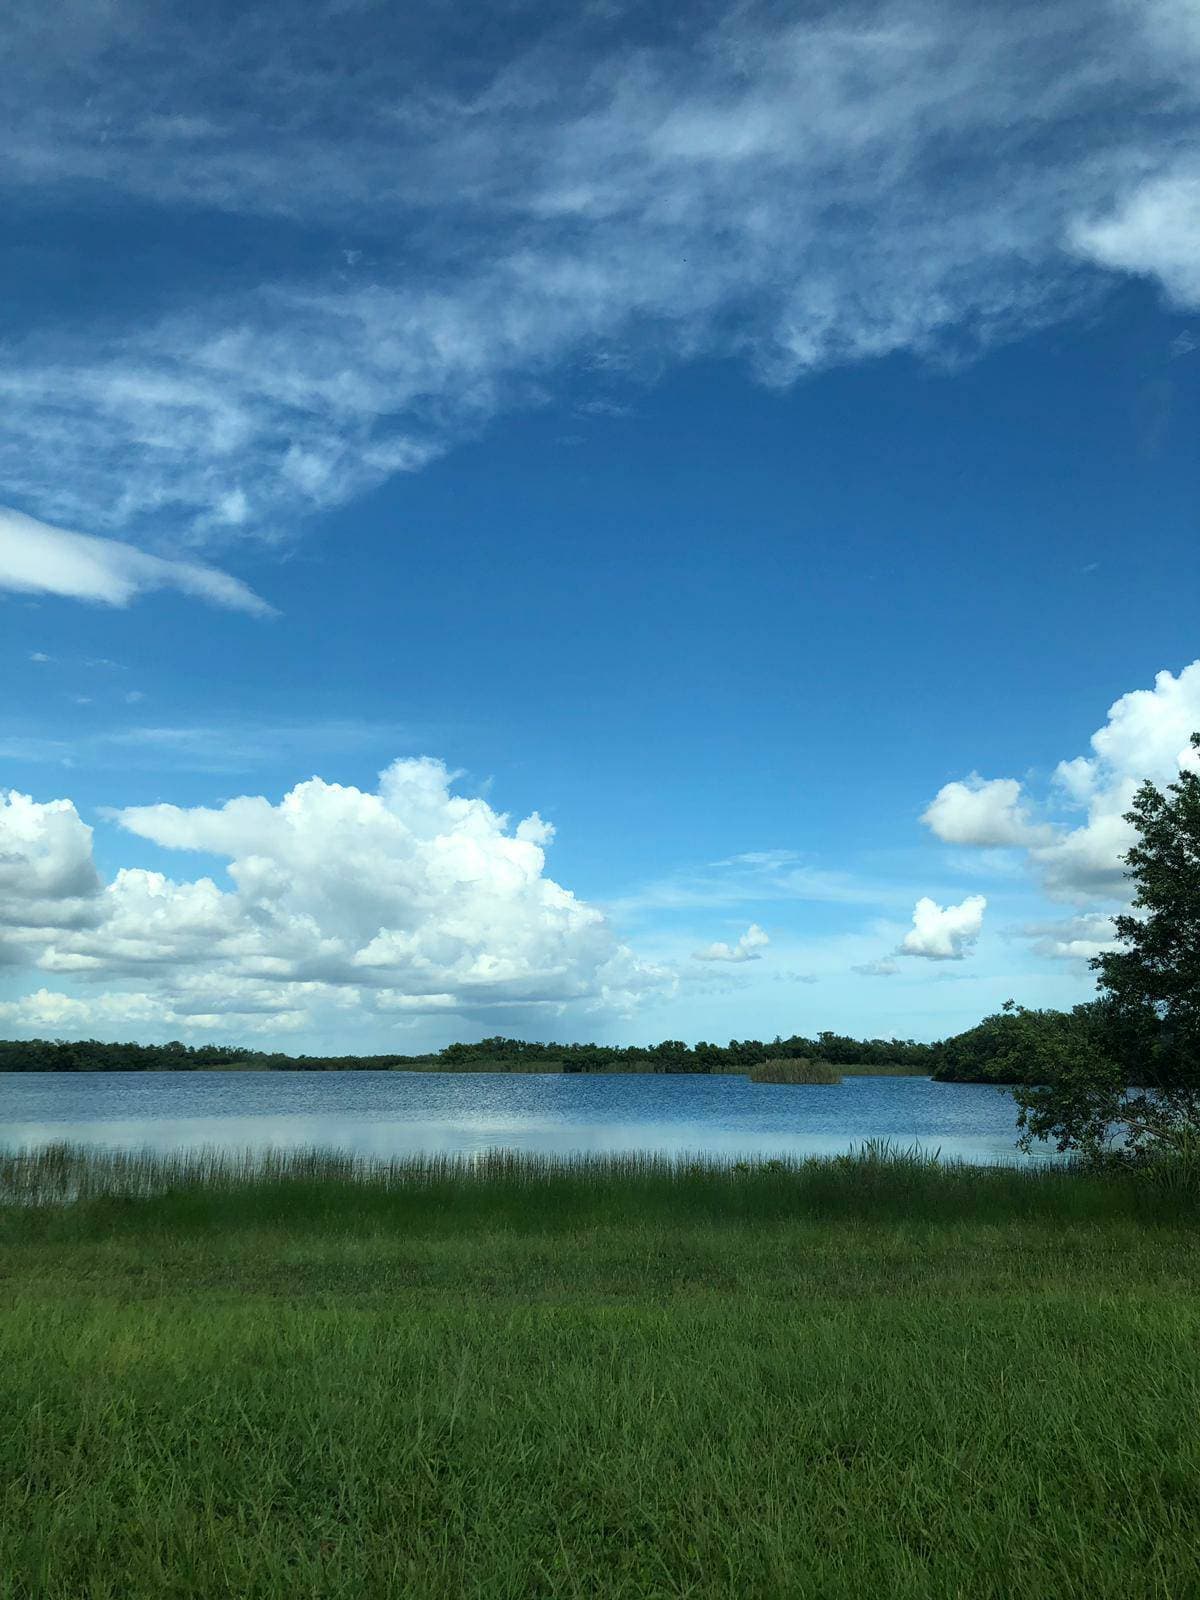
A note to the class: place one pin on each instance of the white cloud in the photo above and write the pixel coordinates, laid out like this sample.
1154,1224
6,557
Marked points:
752,877
909,175
1154,231
1075,939
886,968
982,812
1172,27
61,1013
944,933
220,747
409,899
38,559
748,948
1146,737
47,876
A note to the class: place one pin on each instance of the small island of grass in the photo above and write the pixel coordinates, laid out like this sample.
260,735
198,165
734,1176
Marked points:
794,1070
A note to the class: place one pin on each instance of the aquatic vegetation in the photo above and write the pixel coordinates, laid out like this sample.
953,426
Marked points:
795,1071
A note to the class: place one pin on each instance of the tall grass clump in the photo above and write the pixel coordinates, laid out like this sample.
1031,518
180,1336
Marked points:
300,1190
883,1069
495,1064
795,1071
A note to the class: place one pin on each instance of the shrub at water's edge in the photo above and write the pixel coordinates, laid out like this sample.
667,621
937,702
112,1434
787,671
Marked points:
795,1071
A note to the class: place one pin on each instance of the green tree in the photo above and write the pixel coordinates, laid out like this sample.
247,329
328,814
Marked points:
1015,1045
1127,1078
1159,968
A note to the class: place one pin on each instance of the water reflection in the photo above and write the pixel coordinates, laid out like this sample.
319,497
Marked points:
393,1113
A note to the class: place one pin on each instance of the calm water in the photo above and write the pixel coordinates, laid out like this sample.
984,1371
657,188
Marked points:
398,1113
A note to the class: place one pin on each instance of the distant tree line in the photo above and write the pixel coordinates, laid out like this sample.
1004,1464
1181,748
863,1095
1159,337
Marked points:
97,1055
674,1055
1014,1046
500,1053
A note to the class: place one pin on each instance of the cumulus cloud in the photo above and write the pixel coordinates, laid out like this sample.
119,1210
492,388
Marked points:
1073,939
38,559
406,900
982,812
50,1012
47,876
1146,736
794,188
944,933
748,948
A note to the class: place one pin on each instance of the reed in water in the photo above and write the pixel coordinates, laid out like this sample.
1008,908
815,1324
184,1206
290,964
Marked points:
795,1071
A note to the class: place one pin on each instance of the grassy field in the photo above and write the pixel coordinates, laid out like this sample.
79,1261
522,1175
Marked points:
851,1378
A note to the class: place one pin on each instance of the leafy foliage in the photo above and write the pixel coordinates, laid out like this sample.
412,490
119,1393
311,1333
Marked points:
1158,971
498,1053
99,1055
1125,1083
1014,1046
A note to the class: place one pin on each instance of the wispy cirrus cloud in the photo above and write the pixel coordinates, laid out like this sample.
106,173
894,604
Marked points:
213,747
754,876
448,228
38,559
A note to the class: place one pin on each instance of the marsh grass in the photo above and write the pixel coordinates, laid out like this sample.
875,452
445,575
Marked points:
523,1378
882,1069
795,1070
481,1064
877,1178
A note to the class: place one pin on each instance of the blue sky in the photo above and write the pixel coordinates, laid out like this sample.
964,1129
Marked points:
759,448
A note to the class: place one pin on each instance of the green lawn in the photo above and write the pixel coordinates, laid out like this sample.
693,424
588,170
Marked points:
847,1379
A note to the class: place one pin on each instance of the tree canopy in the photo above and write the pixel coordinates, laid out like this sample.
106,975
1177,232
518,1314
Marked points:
497,1052
1123,1075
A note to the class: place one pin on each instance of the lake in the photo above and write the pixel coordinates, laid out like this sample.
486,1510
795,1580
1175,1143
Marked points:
406,1113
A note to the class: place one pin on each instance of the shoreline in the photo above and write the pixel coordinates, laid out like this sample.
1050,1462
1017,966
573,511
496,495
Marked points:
540,1070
